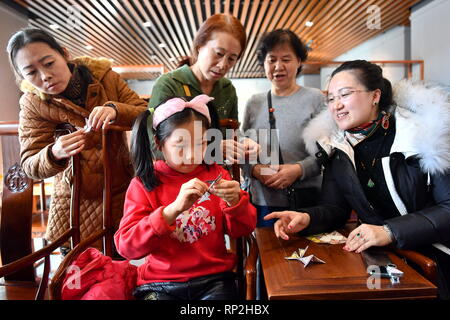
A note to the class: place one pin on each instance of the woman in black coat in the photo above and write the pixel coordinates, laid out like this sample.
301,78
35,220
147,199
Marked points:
390,162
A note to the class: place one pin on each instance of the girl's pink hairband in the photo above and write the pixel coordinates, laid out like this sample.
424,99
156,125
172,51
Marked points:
175,105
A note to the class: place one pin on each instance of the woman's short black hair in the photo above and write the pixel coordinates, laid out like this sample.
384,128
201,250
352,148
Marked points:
281,36
370,76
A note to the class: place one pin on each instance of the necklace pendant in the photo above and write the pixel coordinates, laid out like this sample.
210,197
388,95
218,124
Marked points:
370,183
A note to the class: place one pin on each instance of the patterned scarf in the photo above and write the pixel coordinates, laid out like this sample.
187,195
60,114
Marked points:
79,82
361,132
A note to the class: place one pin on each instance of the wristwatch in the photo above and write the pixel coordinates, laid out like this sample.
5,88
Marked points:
389,232
112,105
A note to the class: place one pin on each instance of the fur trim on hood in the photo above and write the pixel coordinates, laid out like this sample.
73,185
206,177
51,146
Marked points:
422,114
97,66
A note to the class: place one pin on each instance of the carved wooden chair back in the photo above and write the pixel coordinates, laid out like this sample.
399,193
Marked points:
16,204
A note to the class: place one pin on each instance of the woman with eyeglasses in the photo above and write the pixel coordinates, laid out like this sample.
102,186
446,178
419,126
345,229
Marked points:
289,107
389,161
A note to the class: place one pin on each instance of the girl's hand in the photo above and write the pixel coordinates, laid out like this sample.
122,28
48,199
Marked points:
366,236
285,176
189,193
101,116
227,190
69,145
288,222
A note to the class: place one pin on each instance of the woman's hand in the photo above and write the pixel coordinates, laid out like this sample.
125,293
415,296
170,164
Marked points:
101,116
366,236
233,151
189,193
288,222
262,172
69,145
285,176
229,191
251,148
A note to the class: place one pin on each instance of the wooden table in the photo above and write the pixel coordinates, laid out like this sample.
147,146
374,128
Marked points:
343,276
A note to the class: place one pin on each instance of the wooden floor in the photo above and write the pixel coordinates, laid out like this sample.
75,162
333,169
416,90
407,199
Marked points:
39,224
17,291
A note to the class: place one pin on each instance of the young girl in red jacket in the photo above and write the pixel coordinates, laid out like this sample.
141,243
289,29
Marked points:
172,216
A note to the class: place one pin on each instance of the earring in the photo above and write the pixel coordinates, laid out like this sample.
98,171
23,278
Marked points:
375,103
385,120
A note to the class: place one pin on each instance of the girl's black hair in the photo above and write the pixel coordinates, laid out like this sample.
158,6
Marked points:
370,76
26,36
281,36
141,146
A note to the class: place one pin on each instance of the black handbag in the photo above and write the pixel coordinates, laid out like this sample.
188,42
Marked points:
298,197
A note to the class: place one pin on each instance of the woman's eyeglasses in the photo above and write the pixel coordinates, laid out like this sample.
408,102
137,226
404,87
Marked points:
343,96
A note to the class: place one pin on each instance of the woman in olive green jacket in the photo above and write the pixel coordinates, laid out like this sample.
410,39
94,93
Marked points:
217,46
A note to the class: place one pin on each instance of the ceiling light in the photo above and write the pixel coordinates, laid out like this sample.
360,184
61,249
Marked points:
54,26
162,45
89,47
309,24
153,57
172,59
147,24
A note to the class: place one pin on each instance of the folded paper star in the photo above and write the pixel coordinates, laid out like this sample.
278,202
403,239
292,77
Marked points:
300,256
206,195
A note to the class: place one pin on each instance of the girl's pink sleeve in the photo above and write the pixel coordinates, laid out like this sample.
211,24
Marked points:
141,226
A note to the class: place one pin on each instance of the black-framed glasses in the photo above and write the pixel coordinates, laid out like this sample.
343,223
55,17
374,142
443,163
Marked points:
343,96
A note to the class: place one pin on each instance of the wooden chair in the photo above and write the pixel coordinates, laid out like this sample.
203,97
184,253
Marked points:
245,248
16,206
107,233
72,234
426,266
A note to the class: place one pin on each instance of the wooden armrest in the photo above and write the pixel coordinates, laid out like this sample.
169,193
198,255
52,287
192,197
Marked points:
427,265
35,256
250,268
113,127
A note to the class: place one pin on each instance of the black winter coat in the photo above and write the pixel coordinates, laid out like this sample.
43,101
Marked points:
427,222
416,172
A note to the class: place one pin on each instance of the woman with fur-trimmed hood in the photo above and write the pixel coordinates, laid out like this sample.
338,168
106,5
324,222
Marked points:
390,162
82,92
